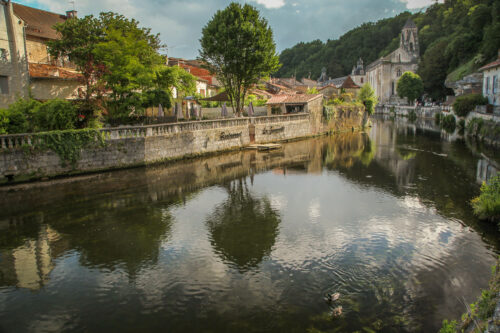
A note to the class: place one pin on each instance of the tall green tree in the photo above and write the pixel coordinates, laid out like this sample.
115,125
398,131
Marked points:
410,85
237,45
130,53
78,40
368,98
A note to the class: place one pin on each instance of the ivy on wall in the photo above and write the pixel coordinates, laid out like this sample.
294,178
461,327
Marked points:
67,144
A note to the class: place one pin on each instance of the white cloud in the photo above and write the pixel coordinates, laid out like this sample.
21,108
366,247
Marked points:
412,4
271,4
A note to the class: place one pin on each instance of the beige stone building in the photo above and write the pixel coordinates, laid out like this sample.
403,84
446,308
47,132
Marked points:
384,73
26,66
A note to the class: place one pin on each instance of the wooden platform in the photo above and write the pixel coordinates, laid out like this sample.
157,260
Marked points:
266,146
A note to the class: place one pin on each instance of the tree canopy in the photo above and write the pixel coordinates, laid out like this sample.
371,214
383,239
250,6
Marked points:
237,45
122,69
367,97
410,85
456,37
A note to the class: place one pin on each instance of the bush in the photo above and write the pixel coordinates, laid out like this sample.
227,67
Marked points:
438,117
449,123
17,118
55,114
464,104
487,204
474,126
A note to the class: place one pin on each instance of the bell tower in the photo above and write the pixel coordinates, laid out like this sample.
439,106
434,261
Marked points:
409,38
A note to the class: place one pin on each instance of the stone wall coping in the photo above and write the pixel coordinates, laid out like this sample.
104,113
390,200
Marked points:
12,141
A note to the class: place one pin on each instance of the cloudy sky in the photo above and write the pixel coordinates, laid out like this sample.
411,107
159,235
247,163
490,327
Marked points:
179,22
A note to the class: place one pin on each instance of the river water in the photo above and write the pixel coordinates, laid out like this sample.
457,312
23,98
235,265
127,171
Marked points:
251,241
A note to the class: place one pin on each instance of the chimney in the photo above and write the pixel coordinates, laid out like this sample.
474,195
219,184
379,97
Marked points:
71,14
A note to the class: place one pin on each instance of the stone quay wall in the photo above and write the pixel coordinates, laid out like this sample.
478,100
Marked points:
139,145
403,110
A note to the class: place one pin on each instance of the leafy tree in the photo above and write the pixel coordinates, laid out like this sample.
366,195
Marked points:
17,118
78,40
368,98
487,205
312,91
410,85
237,45
130,55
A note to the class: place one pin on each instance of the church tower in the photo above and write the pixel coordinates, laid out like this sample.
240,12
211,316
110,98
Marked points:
409,39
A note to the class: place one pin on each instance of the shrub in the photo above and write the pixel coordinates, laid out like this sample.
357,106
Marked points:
474,126
17,118
412,115
487,204
55,114
449,123
449,327
466,103
368,98
438,117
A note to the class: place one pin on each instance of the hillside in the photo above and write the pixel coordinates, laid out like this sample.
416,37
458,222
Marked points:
458,36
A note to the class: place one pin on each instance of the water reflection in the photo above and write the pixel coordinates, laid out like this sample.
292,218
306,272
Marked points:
250,241
243,228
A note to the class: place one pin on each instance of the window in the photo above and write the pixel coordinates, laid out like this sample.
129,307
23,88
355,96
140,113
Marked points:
398,72
3,55
494,85
362,80
4,84
487,85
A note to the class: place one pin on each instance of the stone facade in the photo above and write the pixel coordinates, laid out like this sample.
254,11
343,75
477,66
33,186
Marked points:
491,78
384,73
14,78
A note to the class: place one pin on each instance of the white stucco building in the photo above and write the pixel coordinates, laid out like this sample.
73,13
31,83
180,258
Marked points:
491,76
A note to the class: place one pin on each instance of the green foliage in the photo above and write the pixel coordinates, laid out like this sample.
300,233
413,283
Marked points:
368,41
449,123
67,144
312,91
451,34
367,97
55,114
449,327
410,85
474,126
237,45
18,117
438,117
466,103
329,112
255,100
412,115
487,205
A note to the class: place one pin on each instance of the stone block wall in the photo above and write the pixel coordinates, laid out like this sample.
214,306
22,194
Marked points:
132,146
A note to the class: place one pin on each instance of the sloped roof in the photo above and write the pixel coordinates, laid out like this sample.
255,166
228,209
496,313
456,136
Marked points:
293,99
493,64
409,24
44,71
39,22
349,84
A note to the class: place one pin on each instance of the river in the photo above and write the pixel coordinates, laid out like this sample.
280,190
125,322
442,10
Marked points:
251,241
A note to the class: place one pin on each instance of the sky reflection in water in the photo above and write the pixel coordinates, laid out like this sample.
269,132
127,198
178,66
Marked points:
251,241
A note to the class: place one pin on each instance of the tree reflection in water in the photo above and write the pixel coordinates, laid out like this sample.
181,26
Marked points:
243,229
117,233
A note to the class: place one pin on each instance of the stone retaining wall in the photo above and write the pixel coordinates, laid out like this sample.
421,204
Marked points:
139,145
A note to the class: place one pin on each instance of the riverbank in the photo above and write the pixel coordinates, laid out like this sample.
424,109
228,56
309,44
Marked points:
26,157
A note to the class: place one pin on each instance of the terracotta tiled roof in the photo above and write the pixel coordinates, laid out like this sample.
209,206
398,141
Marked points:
44,71
201,73
39,23
293,99
493,64
349,84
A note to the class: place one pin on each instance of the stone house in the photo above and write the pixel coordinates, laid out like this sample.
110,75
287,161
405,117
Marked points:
298,103
384,73
348,86
26,64
358,76
491,76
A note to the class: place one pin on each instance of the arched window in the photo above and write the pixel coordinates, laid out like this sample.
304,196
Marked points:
411,47
398,73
